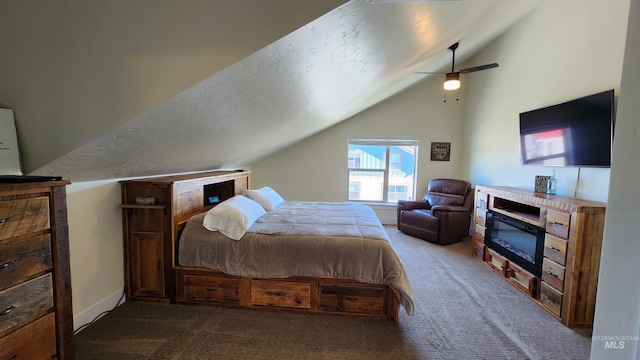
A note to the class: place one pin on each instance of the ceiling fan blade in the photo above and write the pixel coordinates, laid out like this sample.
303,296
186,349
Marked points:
430,73
478,68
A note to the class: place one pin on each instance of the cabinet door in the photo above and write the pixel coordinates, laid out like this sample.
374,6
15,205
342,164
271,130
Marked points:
145,244
147,264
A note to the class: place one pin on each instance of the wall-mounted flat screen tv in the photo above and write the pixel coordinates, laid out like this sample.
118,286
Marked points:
574,133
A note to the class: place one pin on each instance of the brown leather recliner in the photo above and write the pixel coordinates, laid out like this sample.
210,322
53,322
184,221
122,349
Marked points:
444,214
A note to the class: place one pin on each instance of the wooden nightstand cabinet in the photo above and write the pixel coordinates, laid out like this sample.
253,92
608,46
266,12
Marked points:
36,317
145,232
154,212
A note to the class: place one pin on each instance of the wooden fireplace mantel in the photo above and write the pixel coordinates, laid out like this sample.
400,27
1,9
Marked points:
572,245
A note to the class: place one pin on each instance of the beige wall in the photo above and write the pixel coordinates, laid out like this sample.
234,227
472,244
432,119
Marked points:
316,169
95,241
562,51
618,301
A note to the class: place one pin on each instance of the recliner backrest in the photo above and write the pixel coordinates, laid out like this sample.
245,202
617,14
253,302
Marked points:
447,192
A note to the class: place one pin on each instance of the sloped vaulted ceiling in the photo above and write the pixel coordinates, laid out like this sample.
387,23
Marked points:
318,75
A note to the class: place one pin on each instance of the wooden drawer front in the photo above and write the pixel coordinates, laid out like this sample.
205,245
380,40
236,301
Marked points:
522,279
555,249
558,223
482,200
34,341
497,262
291,294
353,299
553,274
23,216
213,289
481,217
478,250
478,233
551,298
26,302
21,260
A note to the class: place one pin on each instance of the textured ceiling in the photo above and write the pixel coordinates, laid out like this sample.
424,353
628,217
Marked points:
334,67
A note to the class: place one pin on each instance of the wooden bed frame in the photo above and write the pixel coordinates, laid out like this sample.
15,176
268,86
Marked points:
155,210
311,295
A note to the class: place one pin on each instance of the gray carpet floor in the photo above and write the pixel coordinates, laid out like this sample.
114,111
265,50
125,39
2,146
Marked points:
463,311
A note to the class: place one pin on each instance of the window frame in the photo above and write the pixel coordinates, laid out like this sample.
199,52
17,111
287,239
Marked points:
386,170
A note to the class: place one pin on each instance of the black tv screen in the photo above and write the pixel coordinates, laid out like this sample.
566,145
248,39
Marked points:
574,133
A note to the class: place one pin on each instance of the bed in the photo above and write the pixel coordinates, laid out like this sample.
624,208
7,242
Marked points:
313,257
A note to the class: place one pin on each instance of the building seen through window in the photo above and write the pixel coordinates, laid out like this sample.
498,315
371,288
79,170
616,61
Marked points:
381,170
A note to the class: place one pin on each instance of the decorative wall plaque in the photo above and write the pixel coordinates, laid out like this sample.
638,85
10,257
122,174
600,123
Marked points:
541,184
440,151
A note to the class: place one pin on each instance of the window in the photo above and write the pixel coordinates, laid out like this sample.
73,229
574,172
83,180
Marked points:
381,170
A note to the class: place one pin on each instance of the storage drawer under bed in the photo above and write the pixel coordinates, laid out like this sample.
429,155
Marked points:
209,289
348,298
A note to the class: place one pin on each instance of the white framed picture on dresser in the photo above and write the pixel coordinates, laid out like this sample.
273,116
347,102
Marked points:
9,151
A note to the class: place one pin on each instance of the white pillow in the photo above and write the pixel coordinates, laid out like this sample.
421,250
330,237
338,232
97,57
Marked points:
267,197
233,217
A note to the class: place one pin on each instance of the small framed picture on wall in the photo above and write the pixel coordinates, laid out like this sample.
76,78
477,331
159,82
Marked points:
440,151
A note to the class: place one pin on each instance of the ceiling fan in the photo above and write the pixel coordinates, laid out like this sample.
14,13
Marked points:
452,79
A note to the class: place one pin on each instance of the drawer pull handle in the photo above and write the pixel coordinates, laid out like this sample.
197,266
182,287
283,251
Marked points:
6,265
552,274
552,248
557,223
211,289
159,265
5,220
7,310
277,293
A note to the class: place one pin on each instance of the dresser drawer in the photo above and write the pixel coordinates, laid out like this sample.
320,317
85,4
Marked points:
478,250
210,289
478,233
495,261
555,249
481,217
26,302
23,216
482,200
553,274
24,259
558,223
290,294
522,279
353,299
551,298
34,341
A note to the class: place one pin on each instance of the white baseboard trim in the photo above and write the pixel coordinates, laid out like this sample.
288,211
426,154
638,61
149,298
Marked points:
95,310
388,220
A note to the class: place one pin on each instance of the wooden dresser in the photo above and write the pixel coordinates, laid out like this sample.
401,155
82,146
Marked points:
573,231
154,212
36,318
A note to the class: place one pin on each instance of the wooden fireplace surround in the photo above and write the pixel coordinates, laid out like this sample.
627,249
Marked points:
573,241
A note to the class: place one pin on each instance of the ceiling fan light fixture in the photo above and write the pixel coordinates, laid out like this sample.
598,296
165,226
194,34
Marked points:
452,81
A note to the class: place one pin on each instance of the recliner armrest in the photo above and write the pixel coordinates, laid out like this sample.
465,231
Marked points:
412,205
449,209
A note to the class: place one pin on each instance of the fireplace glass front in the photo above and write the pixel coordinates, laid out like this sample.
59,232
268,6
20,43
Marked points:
516,240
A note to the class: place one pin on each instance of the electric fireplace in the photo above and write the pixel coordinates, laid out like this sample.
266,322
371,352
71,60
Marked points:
516,240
